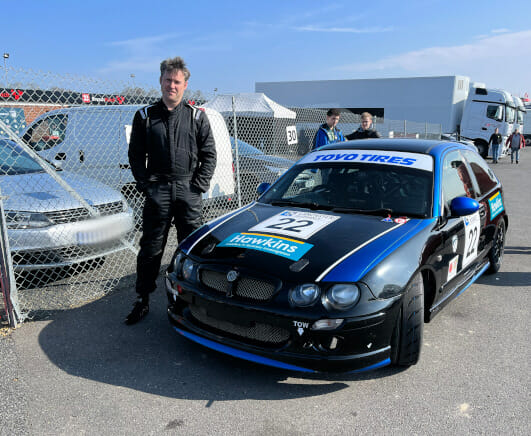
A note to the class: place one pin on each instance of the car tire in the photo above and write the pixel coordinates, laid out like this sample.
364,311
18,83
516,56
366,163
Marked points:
482,148
496,252
406,341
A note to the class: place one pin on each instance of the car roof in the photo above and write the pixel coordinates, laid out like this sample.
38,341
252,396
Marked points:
423,146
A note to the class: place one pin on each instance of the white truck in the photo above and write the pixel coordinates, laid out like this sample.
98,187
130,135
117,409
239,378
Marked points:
461,107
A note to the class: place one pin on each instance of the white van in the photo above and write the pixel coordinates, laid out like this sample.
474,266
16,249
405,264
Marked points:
94,141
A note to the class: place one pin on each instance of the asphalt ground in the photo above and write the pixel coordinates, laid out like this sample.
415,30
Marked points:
82,371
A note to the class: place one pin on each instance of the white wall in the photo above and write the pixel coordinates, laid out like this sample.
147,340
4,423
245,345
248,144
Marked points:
422,99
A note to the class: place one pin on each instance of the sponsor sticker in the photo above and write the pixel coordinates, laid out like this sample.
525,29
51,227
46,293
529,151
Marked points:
388,220
412,160
495,205
401,220
452,268
285,247
298,224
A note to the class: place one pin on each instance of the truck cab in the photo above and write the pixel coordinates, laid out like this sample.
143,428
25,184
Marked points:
486,109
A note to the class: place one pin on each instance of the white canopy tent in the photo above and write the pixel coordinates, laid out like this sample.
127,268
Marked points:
249,104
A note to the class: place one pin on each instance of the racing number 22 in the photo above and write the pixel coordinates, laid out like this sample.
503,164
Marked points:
285,224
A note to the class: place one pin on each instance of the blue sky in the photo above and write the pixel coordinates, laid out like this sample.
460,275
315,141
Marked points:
230,45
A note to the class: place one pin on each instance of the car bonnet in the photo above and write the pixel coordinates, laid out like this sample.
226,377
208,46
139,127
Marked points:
258,238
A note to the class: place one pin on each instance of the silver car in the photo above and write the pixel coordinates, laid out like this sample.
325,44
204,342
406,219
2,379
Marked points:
47,225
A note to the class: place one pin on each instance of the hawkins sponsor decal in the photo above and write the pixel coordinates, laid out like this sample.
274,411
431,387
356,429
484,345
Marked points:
495,205
413,160
288,248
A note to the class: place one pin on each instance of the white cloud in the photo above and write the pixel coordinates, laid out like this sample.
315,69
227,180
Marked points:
343,29
502,60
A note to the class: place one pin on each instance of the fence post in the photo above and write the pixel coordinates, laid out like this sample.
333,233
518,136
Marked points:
236,148
8,288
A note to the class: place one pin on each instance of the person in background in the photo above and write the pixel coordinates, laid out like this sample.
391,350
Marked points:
328,133
173,157
495,140
516,141
366,129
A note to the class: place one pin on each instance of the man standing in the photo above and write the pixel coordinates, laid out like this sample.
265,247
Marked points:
173,156
516,141
366,129
328,133
495,140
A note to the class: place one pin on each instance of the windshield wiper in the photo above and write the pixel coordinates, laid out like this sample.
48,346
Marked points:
306,205
378,212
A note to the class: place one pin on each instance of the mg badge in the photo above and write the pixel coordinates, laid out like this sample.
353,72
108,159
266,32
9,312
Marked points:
232,276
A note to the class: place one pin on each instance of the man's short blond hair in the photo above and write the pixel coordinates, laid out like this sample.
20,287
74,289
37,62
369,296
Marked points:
366,115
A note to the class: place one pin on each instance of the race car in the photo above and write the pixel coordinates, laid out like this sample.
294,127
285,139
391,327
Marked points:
338,264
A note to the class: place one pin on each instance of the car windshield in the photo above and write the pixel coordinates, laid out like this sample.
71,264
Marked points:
14,160
244,148
355,188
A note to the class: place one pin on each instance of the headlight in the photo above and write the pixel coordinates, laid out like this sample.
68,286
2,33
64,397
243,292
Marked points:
341,296
176,264
188,269
26,220
304,295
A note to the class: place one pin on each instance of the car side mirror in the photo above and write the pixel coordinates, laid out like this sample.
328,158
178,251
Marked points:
262,187
462,206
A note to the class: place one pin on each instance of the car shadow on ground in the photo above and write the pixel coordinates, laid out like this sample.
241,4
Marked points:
93,342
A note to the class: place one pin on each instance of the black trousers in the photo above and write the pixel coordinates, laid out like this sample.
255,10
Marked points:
166,202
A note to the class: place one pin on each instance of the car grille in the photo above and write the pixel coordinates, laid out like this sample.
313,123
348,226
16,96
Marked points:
249,288
260,332
80,214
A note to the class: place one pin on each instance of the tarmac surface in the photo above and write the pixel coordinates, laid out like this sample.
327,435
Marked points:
82,371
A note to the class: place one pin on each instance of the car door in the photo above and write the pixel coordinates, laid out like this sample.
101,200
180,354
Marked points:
460,234
489,195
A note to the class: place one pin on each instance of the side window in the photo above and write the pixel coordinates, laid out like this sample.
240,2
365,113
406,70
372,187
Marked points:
47,133
483,174
456,180
495,112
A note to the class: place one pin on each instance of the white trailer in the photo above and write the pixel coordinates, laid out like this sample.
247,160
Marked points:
470,110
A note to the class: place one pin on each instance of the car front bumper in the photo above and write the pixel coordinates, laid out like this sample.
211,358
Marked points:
66,244
361,343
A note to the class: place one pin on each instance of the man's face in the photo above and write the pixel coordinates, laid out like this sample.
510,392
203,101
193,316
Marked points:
332,120
173,85
366,123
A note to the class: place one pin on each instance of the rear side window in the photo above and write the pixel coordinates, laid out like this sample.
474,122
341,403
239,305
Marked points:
485,177
47,133
456,178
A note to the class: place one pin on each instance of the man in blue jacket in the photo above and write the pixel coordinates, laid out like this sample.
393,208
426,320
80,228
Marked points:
328,133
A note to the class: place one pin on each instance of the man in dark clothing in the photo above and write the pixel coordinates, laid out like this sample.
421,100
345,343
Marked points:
173,156
365,130
495,140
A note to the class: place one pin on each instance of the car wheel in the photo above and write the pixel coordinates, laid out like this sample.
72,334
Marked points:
496,252
482,148
406,341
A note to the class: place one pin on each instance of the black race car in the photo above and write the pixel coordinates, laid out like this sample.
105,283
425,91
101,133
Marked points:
340,262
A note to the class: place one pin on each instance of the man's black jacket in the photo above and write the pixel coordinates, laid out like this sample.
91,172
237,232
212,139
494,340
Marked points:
363,134
172,145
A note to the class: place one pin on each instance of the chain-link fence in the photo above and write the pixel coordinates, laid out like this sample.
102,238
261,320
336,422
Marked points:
71,209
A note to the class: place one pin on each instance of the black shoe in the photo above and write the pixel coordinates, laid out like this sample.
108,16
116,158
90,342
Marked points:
140,310
516,161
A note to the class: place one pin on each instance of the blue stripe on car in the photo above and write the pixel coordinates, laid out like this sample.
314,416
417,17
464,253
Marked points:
240,354
362,261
